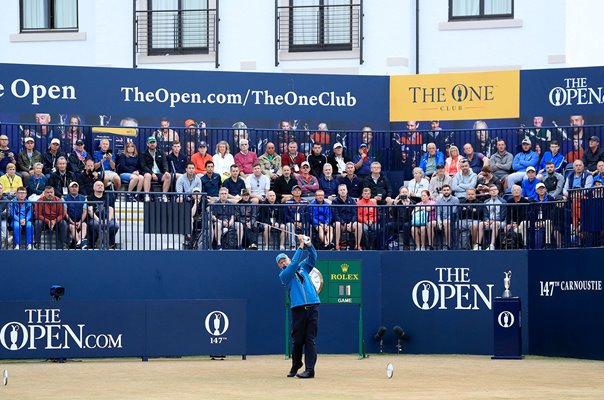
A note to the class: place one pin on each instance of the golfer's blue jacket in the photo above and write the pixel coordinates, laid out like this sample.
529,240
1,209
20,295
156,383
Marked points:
300,288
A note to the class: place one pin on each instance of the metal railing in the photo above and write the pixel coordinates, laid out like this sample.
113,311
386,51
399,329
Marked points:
396,150
186,222
324,27
177,32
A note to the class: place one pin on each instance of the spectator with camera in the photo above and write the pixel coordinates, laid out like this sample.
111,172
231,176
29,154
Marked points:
362,161
400,218
484,179
104,161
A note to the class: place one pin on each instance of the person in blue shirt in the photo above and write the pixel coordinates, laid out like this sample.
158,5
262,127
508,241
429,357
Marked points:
304,303
211,182
529,184
321,218
431,159
554,156
523,160
362,161
21,214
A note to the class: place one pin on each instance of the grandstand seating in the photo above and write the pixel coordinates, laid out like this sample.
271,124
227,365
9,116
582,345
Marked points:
575,221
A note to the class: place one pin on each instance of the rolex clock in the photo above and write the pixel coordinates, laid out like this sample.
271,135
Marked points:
317,279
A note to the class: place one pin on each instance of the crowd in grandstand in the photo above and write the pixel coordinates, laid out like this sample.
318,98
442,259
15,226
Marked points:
340,198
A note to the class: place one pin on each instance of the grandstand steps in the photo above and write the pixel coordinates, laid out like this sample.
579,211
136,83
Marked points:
130,218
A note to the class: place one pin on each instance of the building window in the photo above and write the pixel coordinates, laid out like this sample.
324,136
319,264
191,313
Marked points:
480,9
49,15
178,27
320,25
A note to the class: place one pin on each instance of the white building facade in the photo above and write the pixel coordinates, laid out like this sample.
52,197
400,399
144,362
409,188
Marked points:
364,37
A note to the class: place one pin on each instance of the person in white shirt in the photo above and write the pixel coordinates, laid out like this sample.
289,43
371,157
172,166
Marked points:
223,159
418,184
257,184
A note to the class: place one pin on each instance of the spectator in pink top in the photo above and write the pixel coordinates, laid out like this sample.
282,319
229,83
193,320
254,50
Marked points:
245,159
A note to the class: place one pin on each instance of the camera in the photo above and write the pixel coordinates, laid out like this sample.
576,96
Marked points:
56,292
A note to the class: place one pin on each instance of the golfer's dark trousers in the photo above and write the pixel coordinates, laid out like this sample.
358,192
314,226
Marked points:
305,325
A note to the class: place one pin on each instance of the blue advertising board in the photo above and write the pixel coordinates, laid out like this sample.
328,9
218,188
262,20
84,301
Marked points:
444,300
108,96
76,329
556,93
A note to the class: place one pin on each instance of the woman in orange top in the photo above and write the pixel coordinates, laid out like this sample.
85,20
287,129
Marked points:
452,163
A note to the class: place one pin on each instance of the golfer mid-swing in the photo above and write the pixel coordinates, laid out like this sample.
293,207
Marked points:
304,304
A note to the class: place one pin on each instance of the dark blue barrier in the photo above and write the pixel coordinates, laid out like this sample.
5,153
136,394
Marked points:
122,328
180,275
444,299
566,323
566,295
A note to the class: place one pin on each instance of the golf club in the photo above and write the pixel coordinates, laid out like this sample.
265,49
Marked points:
306,238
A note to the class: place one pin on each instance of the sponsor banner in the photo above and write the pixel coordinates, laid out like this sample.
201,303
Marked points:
341,281
460,96
67,329
562,92
113,94
449,295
